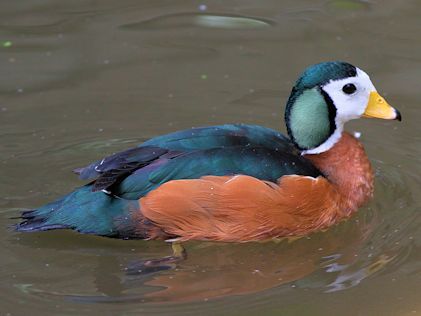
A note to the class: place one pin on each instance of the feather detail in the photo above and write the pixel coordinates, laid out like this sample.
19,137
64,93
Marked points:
347,167
244,208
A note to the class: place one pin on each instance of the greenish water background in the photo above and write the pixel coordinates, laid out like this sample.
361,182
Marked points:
81,79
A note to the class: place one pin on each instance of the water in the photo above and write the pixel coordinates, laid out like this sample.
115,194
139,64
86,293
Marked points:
81,79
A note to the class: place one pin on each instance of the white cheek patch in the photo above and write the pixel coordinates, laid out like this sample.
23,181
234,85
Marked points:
350,106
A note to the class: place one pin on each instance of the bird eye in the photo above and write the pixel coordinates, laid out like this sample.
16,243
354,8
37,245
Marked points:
349,88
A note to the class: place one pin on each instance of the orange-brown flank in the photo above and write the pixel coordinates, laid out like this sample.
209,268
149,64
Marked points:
243,208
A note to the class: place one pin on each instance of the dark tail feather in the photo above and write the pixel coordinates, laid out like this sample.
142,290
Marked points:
33,223
35,220
82,210
37,225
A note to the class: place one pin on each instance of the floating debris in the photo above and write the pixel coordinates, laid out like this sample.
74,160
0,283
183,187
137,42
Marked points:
7,44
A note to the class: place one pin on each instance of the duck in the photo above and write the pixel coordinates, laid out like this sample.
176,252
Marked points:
234,182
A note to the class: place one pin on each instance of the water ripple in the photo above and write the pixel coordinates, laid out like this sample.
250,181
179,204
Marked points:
180,20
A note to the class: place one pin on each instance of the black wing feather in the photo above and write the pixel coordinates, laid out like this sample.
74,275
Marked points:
111,170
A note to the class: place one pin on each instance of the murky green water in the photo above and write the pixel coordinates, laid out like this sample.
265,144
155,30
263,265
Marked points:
80,79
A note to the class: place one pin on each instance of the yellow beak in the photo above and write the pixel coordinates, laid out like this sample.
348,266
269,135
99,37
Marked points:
379,108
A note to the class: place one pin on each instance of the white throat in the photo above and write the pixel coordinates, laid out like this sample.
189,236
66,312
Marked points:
328,144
